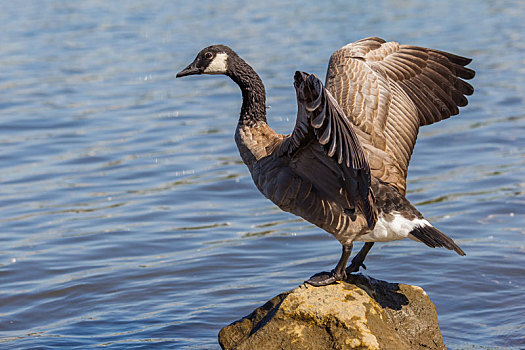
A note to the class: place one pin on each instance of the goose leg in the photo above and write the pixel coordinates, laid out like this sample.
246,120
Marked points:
337,274
357,261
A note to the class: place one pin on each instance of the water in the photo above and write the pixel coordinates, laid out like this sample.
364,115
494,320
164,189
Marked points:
129,221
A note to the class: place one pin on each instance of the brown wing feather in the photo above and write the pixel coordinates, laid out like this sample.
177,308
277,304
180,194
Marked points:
320,120
389,90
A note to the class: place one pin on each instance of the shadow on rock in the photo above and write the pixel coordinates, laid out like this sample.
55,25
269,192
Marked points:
386,294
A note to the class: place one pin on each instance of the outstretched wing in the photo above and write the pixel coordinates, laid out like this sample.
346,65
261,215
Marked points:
389,90
320,121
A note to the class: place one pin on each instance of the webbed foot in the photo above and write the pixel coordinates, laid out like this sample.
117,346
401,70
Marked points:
354,266
357,261
337,274
325,278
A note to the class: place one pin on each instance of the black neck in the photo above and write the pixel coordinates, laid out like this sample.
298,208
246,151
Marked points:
253,107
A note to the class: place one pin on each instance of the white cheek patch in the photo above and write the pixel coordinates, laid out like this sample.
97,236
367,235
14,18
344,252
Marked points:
218,65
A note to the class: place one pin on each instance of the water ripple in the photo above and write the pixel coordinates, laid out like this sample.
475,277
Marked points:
128,219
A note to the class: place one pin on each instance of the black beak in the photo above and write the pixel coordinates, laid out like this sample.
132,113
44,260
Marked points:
190,70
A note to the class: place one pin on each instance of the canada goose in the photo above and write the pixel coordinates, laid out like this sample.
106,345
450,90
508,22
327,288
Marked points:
344,166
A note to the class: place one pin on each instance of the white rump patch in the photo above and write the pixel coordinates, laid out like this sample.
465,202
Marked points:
218,65
394,230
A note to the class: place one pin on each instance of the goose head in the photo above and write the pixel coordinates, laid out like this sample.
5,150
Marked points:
210,60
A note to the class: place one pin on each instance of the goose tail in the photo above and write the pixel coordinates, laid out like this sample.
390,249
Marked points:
433,237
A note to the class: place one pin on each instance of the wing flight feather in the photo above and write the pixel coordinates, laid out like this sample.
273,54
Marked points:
322,121
389,90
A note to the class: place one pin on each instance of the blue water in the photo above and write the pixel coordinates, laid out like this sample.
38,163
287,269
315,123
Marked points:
128,220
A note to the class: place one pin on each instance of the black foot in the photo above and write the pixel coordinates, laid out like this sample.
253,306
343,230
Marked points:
357,261
325,278
354,266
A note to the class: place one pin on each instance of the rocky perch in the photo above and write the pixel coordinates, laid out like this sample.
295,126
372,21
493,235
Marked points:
362,313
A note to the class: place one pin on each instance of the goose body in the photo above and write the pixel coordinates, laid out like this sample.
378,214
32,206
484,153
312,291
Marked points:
344,166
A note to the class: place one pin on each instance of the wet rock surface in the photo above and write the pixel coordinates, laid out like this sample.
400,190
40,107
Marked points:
361,313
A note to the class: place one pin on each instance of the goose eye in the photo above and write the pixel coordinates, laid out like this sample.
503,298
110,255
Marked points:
208,55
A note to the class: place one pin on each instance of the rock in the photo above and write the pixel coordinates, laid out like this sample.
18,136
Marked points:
362,313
